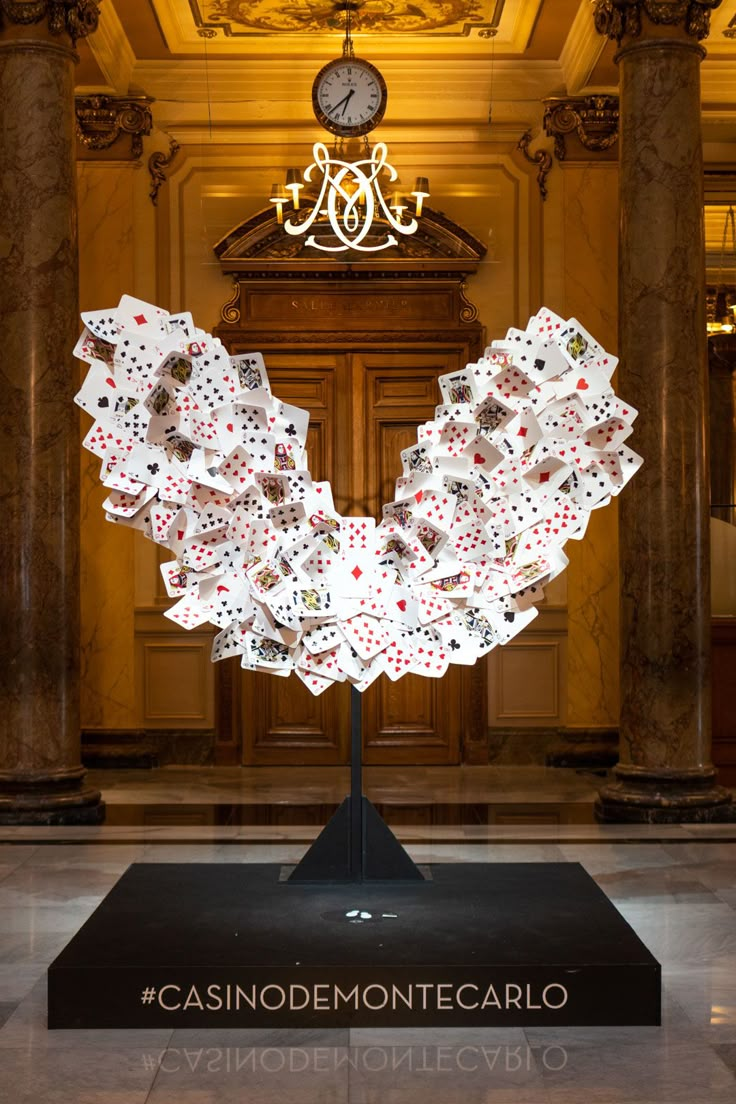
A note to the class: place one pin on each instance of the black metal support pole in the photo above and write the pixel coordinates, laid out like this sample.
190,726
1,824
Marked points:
356,784
356,845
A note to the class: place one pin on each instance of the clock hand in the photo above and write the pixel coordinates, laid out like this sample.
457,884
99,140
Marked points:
344,101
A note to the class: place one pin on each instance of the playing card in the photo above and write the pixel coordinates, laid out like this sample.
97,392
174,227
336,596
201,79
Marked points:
576,344
365,634
416,459
188,612
459,388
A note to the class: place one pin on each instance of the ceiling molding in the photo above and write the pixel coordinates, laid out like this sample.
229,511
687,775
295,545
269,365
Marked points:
583,47
278,147
190,80
112,50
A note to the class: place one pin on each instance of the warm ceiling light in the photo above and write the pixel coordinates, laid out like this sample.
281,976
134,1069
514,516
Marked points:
294,183
279,197
421,192
398,204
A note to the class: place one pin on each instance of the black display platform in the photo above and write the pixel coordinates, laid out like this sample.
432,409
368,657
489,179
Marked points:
234,945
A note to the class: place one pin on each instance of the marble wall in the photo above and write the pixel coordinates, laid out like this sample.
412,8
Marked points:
107,269
588,260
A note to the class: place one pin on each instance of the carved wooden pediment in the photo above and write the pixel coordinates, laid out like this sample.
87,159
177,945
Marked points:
259,245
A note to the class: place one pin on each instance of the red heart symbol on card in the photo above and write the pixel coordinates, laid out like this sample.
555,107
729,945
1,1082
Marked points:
402,604
479,458
581,385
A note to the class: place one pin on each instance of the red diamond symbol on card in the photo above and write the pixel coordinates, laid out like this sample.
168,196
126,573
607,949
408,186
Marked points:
356,573
139,319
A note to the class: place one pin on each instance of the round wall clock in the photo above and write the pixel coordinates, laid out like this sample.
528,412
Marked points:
349,96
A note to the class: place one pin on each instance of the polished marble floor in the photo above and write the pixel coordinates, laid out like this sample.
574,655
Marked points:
675,885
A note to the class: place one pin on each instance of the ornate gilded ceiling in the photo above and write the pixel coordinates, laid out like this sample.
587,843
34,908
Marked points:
234,25
445,17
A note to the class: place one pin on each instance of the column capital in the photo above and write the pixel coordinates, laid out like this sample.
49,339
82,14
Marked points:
101,120
76,18
594,119
619,18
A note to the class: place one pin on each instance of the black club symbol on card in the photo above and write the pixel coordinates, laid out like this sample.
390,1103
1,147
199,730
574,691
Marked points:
290,431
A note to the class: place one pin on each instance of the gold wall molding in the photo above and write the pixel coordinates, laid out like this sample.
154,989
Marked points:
593,119
616,18
102,120
157,164
77,18
541,158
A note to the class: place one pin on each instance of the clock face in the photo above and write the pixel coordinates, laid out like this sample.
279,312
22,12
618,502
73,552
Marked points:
349,96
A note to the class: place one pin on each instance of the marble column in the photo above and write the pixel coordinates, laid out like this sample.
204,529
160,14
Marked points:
41,777
665,772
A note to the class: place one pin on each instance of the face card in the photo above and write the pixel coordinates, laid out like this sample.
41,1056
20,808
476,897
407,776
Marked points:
250,371
94,349
416,459
459,388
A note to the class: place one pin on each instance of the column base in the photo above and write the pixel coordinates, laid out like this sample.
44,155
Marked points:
60,798
644,796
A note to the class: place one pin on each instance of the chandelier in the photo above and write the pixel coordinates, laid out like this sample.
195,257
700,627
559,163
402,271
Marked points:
348,198
345,207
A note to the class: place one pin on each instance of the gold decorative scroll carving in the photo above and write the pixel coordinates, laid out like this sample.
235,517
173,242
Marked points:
541,158
157,162
616,18
594,119
101,120
77,18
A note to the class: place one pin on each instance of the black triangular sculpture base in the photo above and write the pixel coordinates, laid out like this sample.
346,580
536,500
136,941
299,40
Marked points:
335,857
356,844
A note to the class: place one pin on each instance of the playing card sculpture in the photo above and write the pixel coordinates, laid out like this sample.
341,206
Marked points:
199,454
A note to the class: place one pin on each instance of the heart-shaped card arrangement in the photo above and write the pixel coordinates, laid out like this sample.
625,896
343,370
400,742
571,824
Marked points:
199,454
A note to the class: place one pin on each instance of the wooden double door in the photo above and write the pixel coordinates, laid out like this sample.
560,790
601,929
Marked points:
364,407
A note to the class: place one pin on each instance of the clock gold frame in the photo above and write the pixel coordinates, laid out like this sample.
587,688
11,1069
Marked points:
343,130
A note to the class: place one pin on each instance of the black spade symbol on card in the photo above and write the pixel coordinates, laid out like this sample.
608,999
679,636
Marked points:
509,617
104,401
